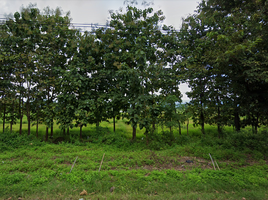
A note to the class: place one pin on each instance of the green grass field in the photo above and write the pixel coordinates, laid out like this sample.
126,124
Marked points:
33,169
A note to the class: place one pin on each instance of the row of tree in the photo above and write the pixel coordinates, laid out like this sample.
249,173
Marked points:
51,71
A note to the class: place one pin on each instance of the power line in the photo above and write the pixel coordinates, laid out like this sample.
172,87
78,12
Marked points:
80,25
91,26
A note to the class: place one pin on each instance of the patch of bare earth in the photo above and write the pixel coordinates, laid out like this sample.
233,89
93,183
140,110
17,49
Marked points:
182,164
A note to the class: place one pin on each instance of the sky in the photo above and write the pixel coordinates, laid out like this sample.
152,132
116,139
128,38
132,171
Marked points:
97,12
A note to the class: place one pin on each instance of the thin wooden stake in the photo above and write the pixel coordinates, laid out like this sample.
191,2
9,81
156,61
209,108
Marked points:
101,162
73,164
212,161
217,164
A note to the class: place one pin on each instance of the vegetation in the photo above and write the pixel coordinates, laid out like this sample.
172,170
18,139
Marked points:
31,168
126,77
223,54
132,69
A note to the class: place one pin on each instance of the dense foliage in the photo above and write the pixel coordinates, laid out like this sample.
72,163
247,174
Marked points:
52,72
224,53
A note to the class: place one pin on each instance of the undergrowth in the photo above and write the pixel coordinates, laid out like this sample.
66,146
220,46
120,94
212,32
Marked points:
31,168
233,146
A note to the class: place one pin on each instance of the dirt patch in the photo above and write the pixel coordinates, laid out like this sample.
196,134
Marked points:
182,164
66,163
251,161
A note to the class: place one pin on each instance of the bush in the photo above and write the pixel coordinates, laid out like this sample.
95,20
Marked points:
97,135
14,140
183,139
155,145
160,141
244,140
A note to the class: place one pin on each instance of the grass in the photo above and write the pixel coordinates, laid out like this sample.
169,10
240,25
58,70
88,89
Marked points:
42,171
33,169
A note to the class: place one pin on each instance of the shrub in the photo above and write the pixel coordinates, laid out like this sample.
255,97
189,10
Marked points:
14,140
246,139
182,139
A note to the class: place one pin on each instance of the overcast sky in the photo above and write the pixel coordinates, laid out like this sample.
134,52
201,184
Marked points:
97,11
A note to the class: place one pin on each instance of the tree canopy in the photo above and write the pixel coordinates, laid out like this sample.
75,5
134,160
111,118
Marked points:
51,71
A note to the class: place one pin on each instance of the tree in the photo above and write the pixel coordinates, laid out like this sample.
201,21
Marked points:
7,88
115,100
53,55
223,42
244,57
83,96
195,65
134,52
23,32
39,53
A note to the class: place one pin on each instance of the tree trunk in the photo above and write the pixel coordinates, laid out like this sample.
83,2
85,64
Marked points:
46,115
12,117
147,136
4,118
252,121
21,124
170,128
28,116
97,124
11,123
256,123
37,121
20,114
179,128
81,131
46,133
134,131
187,127
237,121
153,127
63,132
219,118
202,119
52,130
114,122
256,129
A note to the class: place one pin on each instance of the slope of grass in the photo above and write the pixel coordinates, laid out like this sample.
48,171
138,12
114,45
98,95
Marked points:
40,170
182,169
